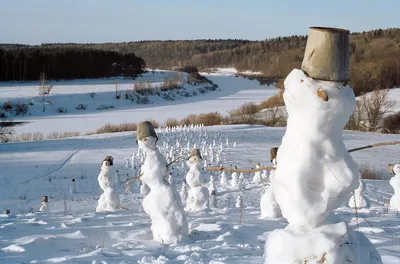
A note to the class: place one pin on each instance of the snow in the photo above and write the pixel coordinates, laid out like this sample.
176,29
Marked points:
128,237
198,195
231,93
358,200
315,175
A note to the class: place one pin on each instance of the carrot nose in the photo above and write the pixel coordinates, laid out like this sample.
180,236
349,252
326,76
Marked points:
322,94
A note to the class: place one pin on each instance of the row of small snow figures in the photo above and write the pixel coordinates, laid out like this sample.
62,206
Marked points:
43,208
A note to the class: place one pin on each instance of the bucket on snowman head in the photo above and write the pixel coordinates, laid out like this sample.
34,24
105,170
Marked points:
272,153
195,152
45,199
327,54
145,129
110,160
7,212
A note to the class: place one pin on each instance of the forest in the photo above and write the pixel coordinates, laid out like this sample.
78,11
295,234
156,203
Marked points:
64,63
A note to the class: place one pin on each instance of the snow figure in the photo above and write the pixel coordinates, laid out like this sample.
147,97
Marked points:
211,187
44,207
358,199
241,184
264,175
144,189
117,179
109,199
127,165
224,179
268,205
234,144
257,175
239,201
128,188
235,178
395,182
162,204
315,173
184,191
198,196
72,187
171,179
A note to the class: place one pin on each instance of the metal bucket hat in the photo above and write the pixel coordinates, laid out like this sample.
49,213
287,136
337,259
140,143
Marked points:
145,129
109,159
273,152
195,152
327,54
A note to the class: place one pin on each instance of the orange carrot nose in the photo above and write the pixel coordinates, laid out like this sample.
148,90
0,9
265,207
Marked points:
322,94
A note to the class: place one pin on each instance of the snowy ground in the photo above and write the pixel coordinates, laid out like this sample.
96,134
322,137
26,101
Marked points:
231,93
73,233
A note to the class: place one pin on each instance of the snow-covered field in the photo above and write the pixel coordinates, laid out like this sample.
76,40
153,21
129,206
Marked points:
231,93
73,233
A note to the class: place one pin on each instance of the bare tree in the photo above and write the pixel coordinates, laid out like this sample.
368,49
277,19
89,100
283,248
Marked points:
6,131
375,105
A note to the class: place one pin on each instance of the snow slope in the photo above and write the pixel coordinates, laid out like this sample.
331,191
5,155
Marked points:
231,93
73,233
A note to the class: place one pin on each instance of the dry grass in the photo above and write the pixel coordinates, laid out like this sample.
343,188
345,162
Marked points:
276,100
110,128
172,122
38,136
369,173
245,109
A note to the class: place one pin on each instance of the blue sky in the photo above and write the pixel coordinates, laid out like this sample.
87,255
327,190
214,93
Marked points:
83,21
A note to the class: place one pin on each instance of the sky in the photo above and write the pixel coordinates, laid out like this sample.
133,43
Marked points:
97,21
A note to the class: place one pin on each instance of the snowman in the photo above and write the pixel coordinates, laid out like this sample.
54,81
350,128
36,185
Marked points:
162,203
44,207
395,182
268,205
109,199
315,173
241,184
224,179
235,178
358,199
198,196
257,175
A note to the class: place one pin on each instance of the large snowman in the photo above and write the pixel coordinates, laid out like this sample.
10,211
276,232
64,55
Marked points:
109,199
315,173
198,196
395,182
162,203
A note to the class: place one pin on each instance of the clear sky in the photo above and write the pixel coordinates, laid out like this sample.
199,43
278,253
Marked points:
83,21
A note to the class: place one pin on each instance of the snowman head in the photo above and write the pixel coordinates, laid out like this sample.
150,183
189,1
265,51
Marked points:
396,169
194,160
145,132
317,107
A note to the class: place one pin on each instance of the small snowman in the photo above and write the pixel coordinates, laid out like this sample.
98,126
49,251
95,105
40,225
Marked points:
239,201
395,182
198,196
44,207
257,175
224,179
162,204
109,199
72,187
211,187
358,199
241,184
235,178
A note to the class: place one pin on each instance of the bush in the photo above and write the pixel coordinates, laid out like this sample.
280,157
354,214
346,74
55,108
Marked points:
189,69
370,174
109,128
391,124
172,122
2,115
61,110
276,100
170,84
245,109
209,119
81,107
7,106
21,109
103,107
143,88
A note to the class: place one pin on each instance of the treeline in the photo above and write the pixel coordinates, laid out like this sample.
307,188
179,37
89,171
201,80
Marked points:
63,63
374,55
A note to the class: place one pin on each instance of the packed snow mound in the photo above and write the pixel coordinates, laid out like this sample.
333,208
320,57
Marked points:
198,196
313,139
332,243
